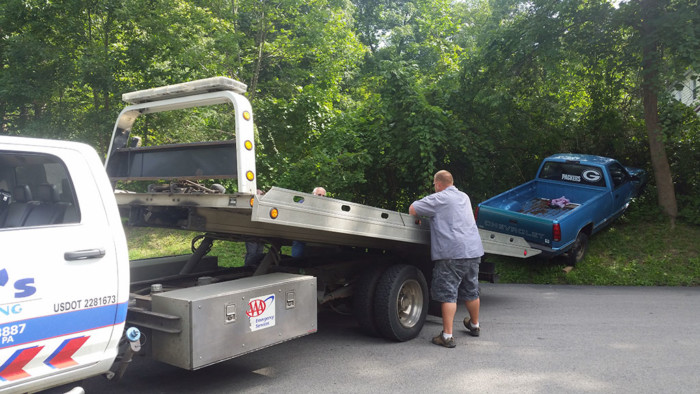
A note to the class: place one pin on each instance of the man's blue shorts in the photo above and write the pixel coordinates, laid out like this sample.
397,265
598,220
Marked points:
456,279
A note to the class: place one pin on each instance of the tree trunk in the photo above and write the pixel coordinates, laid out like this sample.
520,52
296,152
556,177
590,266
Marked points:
651,61
659,161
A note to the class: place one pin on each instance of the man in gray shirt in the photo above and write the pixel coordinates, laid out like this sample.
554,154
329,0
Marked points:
456,249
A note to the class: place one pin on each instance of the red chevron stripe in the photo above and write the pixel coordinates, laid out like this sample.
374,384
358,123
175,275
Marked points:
62,357
13,368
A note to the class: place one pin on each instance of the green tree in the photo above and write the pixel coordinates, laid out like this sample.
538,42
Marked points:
666,43
370,98
296,65
66,63
401,90
36,63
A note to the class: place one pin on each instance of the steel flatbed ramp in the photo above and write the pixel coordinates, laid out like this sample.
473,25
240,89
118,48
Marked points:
310,214
291,215
301,216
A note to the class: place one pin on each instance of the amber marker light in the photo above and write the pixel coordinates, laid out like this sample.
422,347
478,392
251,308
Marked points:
248,145
246,115
252,199
249,175
274,213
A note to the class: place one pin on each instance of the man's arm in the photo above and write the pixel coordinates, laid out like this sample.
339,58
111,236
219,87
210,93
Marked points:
412,211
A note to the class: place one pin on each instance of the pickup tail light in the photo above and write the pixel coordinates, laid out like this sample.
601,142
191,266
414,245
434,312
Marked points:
476,213
556,232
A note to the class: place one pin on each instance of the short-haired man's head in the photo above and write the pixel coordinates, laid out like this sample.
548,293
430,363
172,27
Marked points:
319,191
444,178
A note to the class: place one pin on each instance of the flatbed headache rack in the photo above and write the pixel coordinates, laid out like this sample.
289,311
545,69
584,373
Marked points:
279,214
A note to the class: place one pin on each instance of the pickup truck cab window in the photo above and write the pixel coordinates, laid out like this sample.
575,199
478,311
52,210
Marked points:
618,174
573,173
35,190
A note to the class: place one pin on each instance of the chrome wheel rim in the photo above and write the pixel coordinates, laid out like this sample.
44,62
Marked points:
409,303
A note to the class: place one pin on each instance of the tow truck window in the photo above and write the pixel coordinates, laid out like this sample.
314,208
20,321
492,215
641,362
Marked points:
35,190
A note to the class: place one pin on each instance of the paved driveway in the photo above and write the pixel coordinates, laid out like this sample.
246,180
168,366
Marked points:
535,339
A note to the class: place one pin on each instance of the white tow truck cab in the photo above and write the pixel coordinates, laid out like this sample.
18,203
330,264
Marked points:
67,289
64,268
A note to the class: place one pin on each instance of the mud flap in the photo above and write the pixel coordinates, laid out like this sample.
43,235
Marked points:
487,272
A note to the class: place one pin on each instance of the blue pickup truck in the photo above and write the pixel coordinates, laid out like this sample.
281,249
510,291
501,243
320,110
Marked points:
572,197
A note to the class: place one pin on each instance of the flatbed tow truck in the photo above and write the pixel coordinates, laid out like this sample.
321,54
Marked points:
193,312
370,239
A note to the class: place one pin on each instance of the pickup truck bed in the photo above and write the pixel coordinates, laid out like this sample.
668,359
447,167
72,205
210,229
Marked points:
533,198
598,190
542,207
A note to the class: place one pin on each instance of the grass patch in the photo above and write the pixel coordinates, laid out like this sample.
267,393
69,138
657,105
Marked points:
628,253
147,242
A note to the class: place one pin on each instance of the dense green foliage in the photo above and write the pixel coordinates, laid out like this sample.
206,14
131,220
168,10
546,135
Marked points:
369,97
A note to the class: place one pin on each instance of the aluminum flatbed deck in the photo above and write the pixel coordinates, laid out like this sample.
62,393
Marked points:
302,217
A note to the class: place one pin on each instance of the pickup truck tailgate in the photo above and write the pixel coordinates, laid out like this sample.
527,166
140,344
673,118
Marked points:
537,230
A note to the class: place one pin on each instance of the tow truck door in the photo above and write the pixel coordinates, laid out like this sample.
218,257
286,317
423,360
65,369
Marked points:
61,309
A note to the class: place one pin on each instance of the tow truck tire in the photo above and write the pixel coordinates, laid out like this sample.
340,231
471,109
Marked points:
578,251
401,302
363,299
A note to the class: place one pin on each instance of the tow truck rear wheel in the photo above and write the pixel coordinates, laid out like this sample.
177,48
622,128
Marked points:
578,251
401,302
363,299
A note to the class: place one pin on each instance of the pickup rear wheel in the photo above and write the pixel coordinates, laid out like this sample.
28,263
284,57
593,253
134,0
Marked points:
578,251
401,302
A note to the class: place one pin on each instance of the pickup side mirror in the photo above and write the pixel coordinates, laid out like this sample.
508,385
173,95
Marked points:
639,181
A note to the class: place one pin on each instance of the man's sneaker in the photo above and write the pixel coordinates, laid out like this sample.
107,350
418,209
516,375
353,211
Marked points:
471,330
440,340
